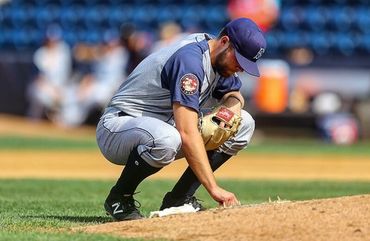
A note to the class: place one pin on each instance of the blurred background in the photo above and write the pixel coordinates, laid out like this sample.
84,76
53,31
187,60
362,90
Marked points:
61,60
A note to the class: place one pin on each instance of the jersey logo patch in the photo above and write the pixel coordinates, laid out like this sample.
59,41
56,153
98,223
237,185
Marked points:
189,84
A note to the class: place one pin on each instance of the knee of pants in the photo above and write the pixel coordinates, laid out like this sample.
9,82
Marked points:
247,127
163,151
242,137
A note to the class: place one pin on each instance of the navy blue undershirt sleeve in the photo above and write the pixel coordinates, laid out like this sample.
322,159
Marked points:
226,85
183,75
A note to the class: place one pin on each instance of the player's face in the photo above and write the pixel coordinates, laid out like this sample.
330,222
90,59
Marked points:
226,63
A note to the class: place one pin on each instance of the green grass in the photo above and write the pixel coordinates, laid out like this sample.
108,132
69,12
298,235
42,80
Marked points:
308,146
47,209
44,236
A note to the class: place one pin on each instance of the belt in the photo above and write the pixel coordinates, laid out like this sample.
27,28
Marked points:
121,113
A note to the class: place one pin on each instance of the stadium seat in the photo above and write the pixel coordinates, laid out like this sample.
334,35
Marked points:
291,18
319,42
94,16
166,13
362,19
48,14
144,15
315,18
192,16
344,43
341,18
119,14
338,27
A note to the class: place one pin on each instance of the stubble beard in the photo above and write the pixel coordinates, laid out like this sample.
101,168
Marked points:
221,65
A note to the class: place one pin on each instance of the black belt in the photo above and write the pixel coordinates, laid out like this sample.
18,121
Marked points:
121,113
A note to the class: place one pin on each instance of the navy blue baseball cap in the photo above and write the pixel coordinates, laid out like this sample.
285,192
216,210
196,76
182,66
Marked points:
248,41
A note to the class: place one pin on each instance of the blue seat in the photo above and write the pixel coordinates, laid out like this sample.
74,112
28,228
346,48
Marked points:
214,2
2,36
362,19
144,14
216,15
140,2
342,18
291,18
19,38
6,36
166,13
48,14
315,18
72,15
119,14
320,42
190,2
365,43
95,16
317,2
273,39
44,2
165,2
71,37
92,36
344,44
19,16
5,17
192,17
35,37
291,40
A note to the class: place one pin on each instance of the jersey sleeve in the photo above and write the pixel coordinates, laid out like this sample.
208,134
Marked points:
225,85
183,75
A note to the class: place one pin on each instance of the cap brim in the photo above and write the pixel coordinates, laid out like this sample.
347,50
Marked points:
249,66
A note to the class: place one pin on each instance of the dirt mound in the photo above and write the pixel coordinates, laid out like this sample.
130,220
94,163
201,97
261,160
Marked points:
345,218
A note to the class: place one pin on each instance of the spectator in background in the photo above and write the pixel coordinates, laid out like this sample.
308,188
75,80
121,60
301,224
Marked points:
169,32
138,45
84,57
96,87
54,63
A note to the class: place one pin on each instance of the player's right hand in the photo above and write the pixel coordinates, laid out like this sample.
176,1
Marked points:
224,198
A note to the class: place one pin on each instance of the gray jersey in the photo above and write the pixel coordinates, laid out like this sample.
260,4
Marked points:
181,72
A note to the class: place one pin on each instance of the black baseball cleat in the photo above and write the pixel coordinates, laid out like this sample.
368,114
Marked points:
170,201
123,209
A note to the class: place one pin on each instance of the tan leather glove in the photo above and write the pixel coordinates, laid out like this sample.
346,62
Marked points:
215,134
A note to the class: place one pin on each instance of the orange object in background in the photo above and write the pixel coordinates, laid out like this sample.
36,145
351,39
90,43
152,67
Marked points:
271,93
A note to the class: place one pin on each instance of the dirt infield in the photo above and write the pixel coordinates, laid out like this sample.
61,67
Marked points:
92,165
346,218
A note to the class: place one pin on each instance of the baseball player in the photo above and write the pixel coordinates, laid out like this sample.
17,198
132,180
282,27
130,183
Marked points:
155,116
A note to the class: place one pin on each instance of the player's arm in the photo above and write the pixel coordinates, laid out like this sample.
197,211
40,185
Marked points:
227,91
192,145
234,101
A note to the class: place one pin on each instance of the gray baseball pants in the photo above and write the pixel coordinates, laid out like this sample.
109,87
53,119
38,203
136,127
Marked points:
158,143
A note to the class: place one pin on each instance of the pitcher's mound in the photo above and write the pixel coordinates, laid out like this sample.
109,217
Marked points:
345,218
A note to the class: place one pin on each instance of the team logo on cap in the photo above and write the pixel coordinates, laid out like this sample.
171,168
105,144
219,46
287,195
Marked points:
259,54
189,84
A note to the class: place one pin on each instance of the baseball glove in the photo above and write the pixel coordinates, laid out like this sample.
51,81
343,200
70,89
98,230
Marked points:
212,133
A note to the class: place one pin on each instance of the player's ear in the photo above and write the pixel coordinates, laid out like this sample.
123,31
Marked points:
224,40
224,43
